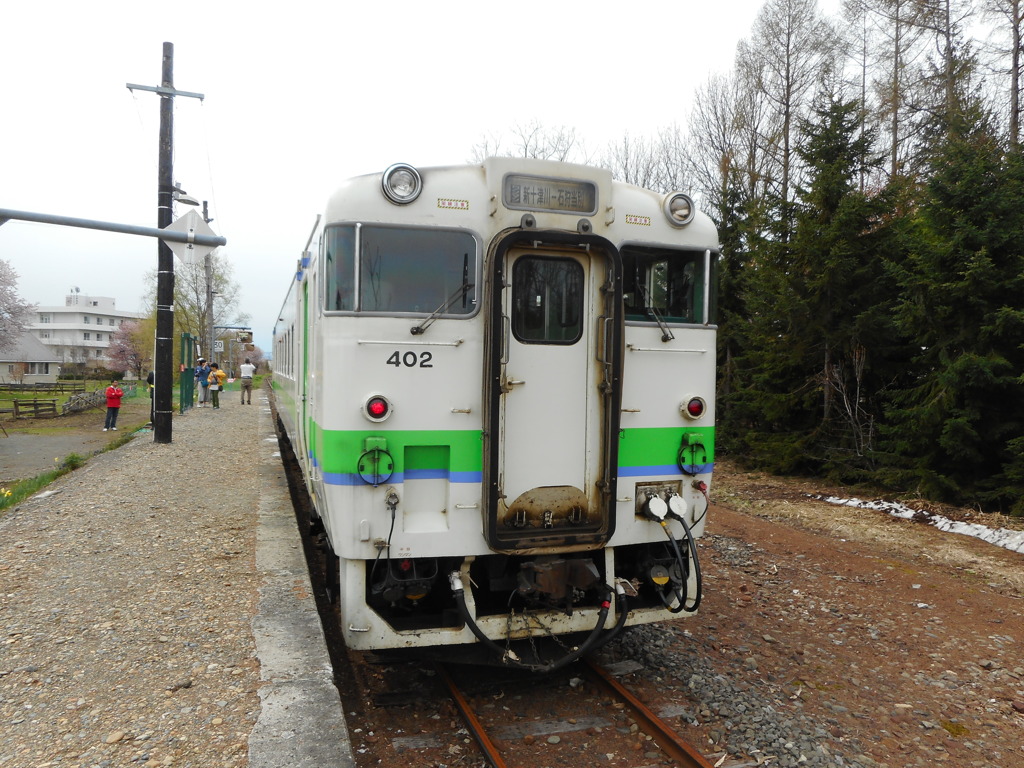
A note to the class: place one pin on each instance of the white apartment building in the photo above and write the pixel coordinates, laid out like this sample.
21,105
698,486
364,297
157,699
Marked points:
79,332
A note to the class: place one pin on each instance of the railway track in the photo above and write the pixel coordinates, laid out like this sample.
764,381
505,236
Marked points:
458,715
674,746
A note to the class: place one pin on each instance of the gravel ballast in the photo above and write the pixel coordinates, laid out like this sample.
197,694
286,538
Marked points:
127,591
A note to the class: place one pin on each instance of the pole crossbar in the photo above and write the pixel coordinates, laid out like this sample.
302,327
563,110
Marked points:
7,214
163,91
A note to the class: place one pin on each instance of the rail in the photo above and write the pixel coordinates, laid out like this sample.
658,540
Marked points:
473,723
675,747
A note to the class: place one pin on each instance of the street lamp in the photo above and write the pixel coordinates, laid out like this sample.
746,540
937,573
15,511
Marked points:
179,195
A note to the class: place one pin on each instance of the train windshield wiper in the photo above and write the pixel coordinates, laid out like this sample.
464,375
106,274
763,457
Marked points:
666,332
461,291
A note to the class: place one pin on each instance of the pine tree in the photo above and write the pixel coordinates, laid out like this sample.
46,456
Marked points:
957,431
822,347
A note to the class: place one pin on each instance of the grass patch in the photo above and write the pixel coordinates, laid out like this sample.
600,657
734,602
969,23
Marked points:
24,489
955,729
17,492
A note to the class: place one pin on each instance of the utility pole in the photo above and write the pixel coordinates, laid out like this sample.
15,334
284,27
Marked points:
164,357
208,265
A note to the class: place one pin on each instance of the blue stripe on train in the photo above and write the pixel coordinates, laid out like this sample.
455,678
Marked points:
662,470
351,478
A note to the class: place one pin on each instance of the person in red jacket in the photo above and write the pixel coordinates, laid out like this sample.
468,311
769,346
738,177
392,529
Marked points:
114,395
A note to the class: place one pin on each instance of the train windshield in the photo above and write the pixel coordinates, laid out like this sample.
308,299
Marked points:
666,284
393,270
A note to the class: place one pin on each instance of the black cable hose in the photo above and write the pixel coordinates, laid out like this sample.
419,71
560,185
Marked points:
680,597
698,579
593,641
707,506
685,571
622,608
387,546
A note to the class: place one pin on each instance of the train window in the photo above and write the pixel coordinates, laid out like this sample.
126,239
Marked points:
340,269
659,282
416,271
547,300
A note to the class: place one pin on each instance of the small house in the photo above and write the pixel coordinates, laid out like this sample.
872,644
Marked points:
29,361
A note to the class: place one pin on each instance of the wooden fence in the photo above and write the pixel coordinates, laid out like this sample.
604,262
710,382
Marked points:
86,400
36,407
61,387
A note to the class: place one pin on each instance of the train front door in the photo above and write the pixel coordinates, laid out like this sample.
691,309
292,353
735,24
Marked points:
550,461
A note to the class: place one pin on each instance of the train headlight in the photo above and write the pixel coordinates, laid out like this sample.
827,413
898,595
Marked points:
377,408
679,209
693,408
401,183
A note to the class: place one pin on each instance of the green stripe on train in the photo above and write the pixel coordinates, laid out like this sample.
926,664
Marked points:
457,450
335,449
660,445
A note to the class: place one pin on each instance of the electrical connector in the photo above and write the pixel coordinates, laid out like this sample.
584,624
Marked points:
655,509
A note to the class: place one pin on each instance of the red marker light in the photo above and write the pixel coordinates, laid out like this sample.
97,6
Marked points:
695,407
377,407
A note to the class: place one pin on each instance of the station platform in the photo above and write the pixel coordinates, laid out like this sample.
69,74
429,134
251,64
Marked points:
157,609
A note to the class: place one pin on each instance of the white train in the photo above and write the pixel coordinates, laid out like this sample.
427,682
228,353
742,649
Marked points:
499,382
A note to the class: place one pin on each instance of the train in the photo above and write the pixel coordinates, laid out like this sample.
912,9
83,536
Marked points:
498,381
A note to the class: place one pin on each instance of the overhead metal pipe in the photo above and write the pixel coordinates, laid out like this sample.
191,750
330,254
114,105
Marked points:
6,214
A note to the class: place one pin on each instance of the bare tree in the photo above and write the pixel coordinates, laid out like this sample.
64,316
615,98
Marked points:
673,171
954,63
1008,39
724,152
858,33
14,312
190,305
631,160
792,48
892,49
533,140
131,348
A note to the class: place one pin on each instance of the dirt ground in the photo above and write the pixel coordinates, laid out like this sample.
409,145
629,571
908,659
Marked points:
904,639
34,446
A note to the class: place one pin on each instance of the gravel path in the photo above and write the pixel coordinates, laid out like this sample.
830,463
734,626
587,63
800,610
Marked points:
127,591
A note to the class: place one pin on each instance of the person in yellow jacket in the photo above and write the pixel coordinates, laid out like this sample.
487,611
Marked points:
216,378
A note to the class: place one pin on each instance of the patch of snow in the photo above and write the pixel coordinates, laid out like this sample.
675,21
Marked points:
1001,537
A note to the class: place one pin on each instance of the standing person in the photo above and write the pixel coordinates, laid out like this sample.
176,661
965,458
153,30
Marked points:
216,379
247,370
203,381
114,394
150,384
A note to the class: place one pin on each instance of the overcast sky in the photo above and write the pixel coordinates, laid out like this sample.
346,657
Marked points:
299,96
